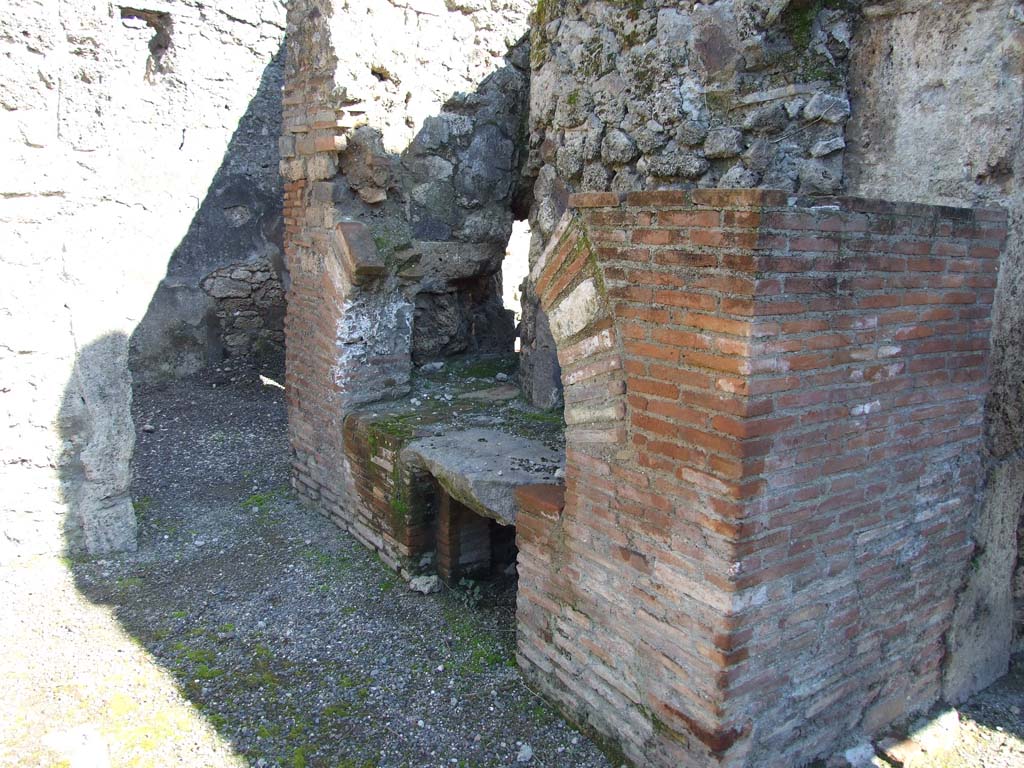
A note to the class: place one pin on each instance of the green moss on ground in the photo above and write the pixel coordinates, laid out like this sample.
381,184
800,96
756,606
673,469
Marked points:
486,367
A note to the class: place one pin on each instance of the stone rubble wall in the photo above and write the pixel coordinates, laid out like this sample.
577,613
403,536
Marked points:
651,94
401,155
937,108
115,119
249,301
774,416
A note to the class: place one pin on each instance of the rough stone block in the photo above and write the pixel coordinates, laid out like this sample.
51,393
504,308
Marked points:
723,143
224,287
358,251
579,309
831,109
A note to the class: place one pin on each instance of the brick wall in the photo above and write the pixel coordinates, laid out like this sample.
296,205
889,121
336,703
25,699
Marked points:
396,503
774,415
400,176
314,418
333,359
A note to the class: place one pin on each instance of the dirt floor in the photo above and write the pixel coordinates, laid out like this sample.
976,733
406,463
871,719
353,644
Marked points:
247,630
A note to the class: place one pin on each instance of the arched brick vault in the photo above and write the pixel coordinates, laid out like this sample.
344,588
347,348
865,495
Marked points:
774,416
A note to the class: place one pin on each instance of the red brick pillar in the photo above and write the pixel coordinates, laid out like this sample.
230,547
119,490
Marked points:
774,417
334,364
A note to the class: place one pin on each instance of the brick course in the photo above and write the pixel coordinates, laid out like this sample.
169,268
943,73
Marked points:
774,417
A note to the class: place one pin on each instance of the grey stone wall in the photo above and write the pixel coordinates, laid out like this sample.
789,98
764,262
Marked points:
651,94
937,105
441,210
657,95
249,306
115,120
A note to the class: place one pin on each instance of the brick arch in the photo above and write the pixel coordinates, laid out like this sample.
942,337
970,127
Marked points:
571,285
774,417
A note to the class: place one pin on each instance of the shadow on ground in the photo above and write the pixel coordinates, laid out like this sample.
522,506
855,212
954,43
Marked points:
301,649
290,638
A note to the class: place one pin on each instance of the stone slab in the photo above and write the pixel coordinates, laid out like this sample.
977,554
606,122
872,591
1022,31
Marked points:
482,467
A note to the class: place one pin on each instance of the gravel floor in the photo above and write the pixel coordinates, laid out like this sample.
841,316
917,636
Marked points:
247,630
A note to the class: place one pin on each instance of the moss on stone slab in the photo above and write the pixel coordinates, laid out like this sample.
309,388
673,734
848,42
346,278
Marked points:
394,429
544,417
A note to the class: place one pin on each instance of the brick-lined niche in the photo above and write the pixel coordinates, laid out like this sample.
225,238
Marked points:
774,416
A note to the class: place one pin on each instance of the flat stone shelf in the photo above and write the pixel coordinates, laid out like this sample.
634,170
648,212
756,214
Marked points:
481,468
436,471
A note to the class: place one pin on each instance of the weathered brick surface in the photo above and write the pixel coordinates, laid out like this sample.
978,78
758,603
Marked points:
768,485
318,284
463,540
541,498
394,503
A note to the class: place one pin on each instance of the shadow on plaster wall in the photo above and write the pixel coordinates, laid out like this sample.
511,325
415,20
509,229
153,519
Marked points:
95,427
228,266
236,235
223,293
1004,425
